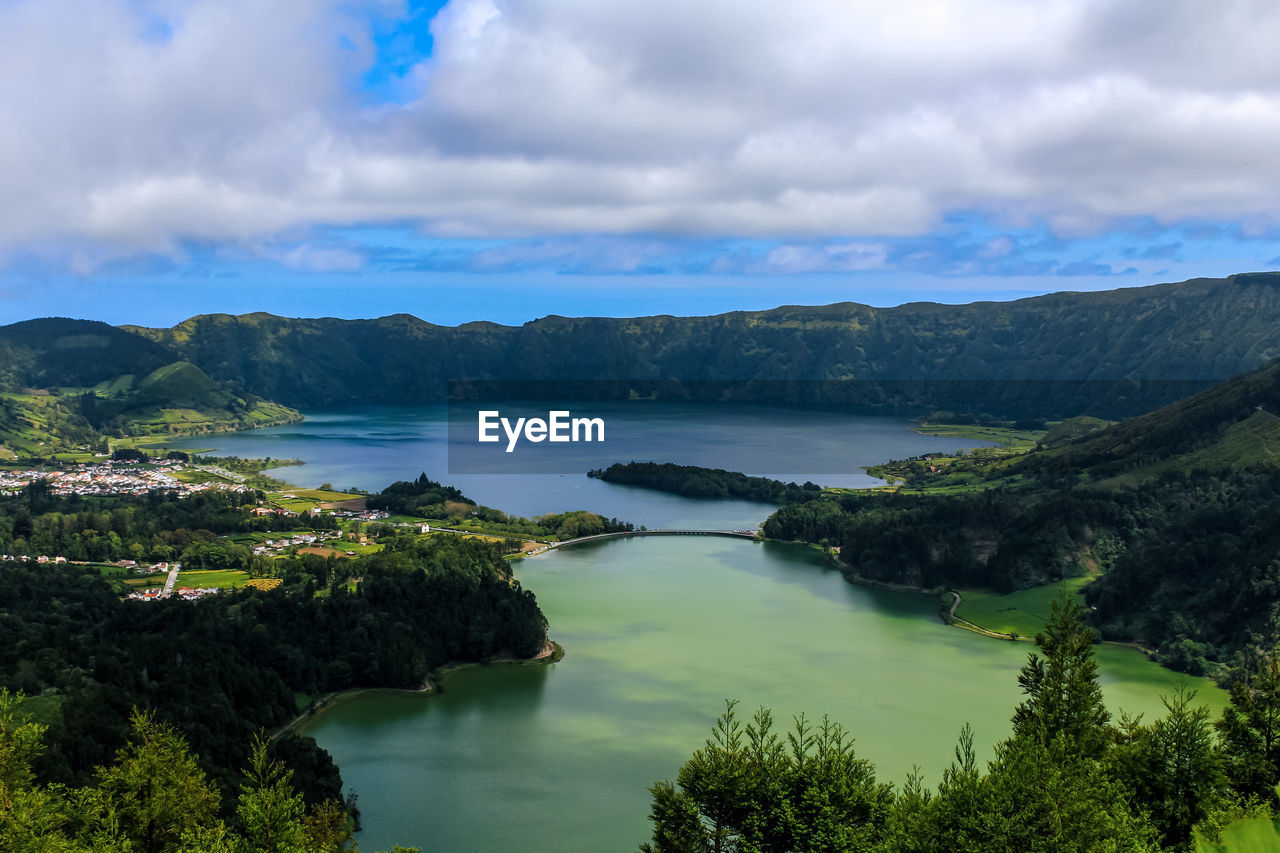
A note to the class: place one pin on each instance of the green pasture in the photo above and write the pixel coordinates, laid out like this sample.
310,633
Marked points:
1023,613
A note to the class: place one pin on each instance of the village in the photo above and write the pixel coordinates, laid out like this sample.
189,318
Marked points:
135,576
111,478
330,524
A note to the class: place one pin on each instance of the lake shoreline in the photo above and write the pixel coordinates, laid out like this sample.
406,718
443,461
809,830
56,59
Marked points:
949,616
552,652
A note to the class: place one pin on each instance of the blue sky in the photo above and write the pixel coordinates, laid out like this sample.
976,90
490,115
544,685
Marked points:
491,160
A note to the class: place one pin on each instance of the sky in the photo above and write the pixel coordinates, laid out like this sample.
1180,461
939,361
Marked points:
504,160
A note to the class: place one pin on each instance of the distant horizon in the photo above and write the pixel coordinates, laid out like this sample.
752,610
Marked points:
478,160
1008,297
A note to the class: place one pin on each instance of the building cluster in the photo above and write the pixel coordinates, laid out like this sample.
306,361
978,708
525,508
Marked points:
42,559
276,546
107,479
261,511
364,515
186,593
146,568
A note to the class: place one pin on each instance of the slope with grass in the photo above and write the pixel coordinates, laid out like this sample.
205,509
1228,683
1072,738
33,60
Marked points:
1022,614
178,399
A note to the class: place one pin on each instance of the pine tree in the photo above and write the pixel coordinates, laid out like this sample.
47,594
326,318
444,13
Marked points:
1250,732
1063,710
269,809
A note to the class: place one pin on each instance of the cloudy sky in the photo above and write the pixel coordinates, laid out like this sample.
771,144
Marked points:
507,159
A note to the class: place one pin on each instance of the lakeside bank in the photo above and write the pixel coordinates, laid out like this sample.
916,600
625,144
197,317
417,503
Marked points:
552,652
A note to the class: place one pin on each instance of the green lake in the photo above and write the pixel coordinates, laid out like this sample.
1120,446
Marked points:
659,631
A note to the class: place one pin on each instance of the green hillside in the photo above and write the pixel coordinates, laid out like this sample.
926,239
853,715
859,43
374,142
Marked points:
41,425
1234,424
180,383
70,420
1051,356
1174,514
56,352
177,399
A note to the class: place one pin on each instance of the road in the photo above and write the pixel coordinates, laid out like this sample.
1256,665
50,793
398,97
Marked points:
171,581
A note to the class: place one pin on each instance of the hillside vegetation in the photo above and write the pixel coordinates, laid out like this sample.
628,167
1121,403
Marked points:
1176,513
692,481
1050,357
1106,355
66,385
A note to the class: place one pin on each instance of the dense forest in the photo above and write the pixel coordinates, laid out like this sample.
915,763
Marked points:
692,481
1070,778
1189,563
1049,356
153,797
1176,511
225,667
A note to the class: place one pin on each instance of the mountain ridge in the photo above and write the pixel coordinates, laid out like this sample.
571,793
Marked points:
1202,329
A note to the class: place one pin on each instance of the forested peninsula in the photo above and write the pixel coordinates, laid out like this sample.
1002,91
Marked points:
692,481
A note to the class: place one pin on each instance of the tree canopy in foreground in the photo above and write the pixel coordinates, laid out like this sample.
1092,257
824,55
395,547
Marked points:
1068,779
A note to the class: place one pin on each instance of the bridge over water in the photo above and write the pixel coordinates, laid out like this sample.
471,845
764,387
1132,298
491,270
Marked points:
737,534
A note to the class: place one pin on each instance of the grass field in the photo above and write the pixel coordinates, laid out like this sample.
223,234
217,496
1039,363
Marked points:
321,495
1023,613
305,499
322,551
155,581
357,547
195,475
1016,439
45,709
214,579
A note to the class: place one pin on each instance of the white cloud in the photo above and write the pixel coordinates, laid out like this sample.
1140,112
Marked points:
633,117
842,257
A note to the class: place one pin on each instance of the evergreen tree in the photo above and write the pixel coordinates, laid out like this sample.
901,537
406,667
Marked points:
157,788
748,789
1250,732
1173,769
1038,799
269,809
1063,709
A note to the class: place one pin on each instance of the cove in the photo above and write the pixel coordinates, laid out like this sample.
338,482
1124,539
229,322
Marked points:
658,632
